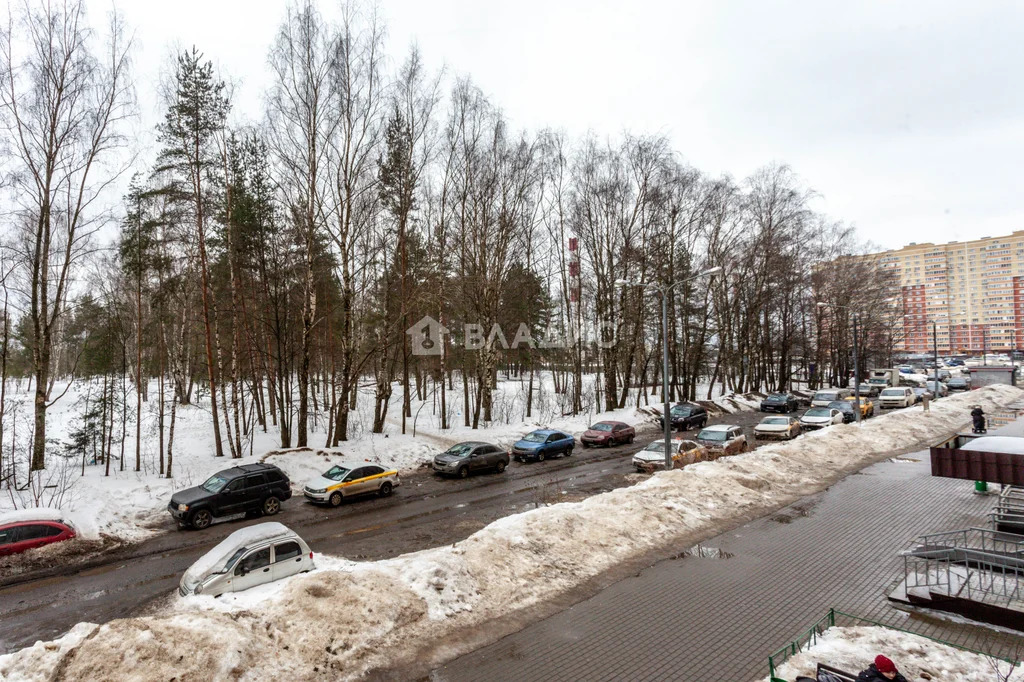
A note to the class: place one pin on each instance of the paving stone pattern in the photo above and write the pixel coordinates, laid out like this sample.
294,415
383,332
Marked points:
718,619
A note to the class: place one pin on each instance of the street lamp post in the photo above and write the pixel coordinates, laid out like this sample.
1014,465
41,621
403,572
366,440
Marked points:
856,361
667,418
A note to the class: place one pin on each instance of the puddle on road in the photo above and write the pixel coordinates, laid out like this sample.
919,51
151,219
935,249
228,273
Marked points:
790,514
704,552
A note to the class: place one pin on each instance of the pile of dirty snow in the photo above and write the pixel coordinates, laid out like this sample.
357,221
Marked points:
854,648
419,609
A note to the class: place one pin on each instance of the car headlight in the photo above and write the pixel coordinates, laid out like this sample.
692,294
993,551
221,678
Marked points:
317,491
198,589
182,507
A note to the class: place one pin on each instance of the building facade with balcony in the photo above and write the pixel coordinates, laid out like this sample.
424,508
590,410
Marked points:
973,291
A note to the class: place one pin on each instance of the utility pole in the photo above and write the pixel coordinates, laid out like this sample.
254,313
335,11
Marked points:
664,338
856,373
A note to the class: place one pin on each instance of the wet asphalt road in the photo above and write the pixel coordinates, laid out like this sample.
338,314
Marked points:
426,511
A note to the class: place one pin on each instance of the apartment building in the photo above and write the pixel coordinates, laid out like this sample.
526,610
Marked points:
973,292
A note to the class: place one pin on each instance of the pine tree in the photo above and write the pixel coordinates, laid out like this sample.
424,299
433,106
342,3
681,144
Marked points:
196,114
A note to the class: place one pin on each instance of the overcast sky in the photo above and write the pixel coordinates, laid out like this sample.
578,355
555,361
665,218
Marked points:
907,118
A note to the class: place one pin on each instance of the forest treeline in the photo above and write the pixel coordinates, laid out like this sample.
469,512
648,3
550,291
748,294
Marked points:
275,268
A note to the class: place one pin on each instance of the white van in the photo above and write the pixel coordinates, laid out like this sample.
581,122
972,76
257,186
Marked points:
902,396
827,395
248,557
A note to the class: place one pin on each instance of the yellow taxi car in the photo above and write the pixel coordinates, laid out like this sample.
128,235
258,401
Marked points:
867,408
343,481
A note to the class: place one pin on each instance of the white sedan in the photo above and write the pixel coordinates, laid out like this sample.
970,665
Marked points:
820,417
783,428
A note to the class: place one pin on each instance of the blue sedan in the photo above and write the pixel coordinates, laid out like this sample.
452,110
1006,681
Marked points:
541,444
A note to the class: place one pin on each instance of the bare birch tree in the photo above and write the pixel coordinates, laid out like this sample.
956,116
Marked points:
62,103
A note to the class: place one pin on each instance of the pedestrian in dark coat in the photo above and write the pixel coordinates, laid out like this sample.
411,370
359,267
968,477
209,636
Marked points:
882,670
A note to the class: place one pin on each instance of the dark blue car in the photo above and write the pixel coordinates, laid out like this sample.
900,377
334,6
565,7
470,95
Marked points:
541,444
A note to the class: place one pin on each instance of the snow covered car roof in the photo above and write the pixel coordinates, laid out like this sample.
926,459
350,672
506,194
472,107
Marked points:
1013,445
719,427
244,537
33,514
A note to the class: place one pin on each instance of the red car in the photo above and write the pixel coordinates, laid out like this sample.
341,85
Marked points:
608,434
18,536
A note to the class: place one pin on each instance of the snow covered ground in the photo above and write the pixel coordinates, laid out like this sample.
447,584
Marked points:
125,505
348,619
854,648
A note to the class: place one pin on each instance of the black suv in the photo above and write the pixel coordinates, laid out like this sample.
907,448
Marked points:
780,402
248,488
686,416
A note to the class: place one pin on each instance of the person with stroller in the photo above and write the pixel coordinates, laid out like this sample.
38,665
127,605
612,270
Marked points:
978,419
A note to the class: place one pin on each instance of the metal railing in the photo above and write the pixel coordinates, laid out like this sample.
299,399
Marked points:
835,617
978,564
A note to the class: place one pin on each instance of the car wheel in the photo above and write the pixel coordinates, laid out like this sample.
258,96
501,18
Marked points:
500,468
540,456
271,506
568,453
608,443
201,519
335,498
704,423
630,441
385,489
463,472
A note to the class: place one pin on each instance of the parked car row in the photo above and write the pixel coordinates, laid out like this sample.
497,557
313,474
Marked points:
711,442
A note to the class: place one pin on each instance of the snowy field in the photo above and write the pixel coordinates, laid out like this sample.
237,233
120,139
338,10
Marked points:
125,505
853,648
349,619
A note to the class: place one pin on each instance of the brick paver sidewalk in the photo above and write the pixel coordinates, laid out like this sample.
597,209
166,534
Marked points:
718,619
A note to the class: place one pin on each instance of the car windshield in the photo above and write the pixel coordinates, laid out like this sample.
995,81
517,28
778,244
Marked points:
818,412
842,405
893,391
775,420
778,396
231,560
656,446
712,435
829,395
957,382
535,437
601,427
460,450
682,410
215,483
336,473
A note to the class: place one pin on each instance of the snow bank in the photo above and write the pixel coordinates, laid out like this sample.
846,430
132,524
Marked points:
353,619
854,648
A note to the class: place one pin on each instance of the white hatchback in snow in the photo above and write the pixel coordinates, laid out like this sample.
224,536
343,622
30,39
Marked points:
248,557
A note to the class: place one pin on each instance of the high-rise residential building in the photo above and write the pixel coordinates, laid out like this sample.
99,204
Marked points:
973,292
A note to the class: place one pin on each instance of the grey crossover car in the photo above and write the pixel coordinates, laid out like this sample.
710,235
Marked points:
470,457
